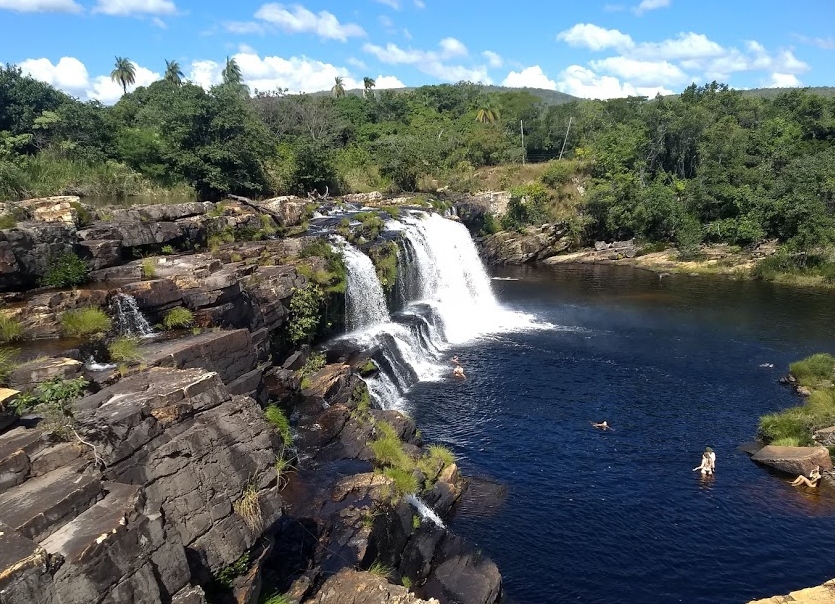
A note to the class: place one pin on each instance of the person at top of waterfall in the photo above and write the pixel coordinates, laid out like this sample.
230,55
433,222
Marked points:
604,425
812,481
712,455
458,372
705,465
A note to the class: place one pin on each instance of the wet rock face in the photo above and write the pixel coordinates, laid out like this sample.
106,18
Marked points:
160,511
27,250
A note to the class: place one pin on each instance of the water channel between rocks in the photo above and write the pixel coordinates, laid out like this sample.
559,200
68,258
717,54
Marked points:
673,364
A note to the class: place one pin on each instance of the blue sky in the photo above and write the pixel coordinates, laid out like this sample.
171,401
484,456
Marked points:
592,48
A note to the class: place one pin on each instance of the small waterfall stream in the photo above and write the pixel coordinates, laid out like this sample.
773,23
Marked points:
424,510
444,298
127,319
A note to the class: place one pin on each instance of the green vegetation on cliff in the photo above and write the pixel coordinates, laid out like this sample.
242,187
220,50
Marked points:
797,425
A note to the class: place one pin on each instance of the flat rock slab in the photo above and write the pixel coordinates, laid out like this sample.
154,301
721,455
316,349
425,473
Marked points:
39,506
794,460
822,594
28,375
356,587
17,554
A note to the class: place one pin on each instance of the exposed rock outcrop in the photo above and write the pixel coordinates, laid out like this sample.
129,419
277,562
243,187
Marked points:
535,244
794,460
352,587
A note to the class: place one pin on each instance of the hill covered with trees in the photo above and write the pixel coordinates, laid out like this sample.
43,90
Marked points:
709,165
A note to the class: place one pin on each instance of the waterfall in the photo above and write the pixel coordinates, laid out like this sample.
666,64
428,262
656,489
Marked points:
424,510
444,296
127,319
364,298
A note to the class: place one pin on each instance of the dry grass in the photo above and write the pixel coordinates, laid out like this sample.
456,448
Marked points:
248,507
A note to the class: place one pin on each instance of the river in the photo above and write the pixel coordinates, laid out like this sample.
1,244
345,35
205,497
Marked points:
673,364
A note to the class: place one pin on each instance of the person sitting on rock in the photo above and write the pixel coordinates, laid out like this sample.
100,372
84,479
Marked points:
602,425
458,372
705,467
812,481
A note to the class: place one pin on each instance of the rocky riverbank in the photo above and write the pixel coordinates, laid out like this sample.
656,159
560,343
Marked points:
220,459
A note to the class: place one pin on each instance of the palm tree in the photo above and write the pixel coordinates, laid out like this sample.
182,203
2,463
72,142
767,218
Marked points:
173,73
338,89
368,84
232,72
487,113
124,72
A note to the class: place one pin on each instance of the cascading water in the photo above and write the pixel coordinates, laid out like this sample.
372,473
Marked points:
364,297
445,299
424,510
127,319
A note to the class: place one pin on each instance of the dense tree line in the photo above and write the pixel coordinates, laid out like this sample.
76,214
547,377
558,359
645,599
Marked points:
710,164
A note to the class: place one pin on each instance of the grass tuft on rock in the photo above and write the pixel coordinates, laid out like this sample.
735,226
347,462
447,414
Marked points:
787,441
381,570
248,507
814,369
276,417
442,454
124,350
84,322
178,318
10,329
8,363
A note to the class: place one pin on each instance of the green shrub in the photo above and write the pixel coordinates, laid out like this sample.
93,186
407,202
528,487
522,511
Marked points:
7,221
384,258
527,206
491,225
403,481
178,318
315,361
124,350
84,322
167,250
381,570
557,173
442,454
149,268
278,599
226,577
65,270
813,369
279,421
10,329
305,313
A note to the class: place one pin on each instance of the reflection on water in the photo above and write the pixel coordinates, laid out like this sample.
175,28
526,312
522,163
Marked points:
673,365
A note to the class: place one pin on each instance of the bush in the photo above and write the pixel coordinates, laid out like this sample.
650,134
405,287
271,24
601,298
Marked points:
403,481
442,454
178,318
491,225
149,268
557,173
527,206
381,570
787,441
124,350
10,329
84,322
279,421
787,424
814,369
65,270
305,313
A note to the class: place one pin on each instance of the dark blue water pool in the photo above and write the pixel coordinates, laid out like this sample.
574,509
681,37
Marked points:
673,365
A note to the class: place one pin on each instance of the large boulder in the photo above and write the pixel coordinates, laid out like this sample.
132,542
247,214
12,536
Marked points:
794,460
289,210
27,251
533,245
61,208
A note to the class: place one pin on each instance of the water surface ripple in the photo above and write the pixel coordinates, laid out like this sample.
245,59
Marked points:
673,365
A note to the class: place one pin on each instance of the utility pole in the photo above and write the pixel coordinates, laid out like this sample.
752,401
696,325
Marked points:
566,137
522,131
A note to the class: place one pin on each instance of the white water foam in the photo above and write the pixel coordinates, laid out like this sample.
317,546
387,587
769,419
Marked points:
447,298
424,510
128,319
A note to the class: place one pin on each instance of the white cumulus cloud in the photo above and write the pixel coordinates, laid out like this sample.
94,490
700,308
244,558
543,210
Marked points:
783,80
41,6
386,82
595,37
104,89
68,74
124,8
395,4
646,5
645,73
494,59
298,19
530,77
432,62
583,82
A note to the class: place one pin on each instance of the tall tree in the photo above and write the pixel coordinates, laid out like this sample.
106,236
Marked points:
124,73
173,73
232,72
338,89
368,84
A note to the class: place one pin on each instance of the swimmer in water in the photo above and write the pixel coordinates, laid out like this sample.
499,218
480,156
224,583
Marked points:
458,372
602,425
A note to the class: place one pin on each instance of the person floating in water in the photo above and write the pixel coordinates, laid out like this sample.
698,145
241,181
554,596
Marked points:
710,453
812,481
455,360
705,466
602,425
458,372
